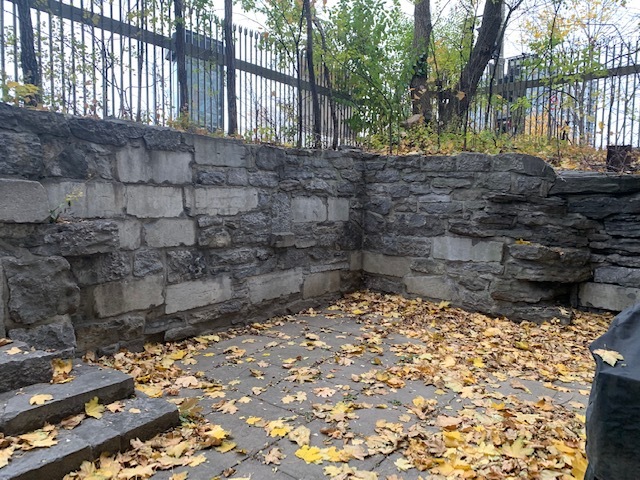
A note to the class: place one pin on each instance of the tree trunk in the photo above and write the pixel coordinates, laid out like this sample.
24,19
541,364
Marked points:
420,98
317,139
183,91
456,102
30,68
230,60
327,78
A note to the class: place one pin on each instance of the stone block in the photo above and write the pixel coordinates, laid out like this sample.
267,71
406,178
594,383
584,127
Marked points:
608,297
93,269
337,209
80,238
40,289
198,293
467,249
145,201
185,265
318,284
58,336
105,333
91,200
20,154
224,201
220,152
136,164
159,138
430,286
355,261
115,298
308,209
274,285
283,239
170,232
147,262
385,265
129,234
23,201
521,163
473,162
627,277
214,237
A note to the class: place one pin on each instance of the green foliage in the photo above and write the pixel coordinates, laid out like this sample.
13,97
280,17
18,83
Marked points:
19,94
69,199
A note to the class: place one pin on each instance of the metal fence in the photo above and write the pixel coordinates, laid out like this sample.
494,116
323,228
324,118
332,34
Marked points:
117,59
585,95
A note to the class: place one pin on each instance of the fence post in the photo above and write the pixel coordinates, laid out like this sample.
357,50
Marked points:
230,60
183,91
28,60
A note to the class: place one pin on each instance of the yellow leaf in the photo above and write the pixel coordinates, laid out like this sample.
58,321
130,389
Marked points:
309,454
179,476
5,455
253,420
195,461
72,421
94,409
178,450
226,446
402,464
134,410
151,390
609,356
517,449
520,241
177,355
14,351
277,428
40,399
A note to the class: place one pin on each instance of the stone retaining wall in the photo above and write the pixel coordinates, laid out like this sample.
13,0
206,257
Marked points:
174,234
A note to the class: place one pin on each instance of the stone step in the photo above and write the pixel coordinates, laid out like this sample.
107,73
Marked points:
112,433
18,416
24,368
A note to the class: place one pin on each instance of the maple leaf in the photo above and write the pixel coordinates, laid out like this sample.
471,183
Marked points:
274,456
309,454
93,408
226,446
72,421
324,392
187,381
517,449
402,464
5,455
277,428
609,356
300,435
116,406
253,420
40,399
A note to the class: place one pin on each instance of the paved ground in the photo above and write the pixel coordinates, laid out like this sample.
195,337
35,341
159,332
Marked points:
251,370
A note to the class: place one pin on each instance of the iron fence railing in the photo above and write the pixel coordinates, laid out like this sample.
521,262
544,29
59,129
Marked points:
118,59
587,95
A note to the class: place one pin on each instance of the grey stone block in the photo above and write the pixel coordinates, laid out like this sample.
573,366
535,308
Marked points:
214,237
608,297
283,239
211,177
29,367
431,286
467,249
156,166
224,200
20,154
81,238
158,138
145,201
318,284
92,269
198,293
91,200
338,209
23,201
385,265
147,262
308,209
114,332
274,285
99,131
170,232
129,234
627,277
185,265
219,152
40,289
58,336
68,398
115,298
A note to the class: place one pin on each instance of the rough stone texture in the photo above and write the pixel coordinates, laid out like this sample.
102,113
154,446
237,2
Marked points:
214,237
608,297
198,293
57,336
82,238
170,232
224,201
20,154
185,265
40,289
22,370
627,277
23,201
144,201
147,262
274,285
116,298
111,333
93,269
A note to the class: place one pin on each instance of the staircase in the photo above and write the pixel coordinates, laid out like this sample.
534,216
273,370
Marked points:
28,372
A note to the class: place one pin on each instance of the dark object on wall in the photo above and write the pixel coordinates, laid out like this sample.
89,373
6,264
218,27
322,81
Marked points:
618,158
613,414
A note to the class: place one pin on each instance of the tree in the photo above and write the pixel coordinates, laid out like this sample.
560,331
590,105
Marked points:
30,67
306,11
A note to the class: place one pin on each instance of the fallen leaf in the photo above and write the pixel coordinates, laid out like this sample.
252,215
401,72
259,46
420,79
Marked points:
273,456
72,421
300,435
13,351
609,356
309,454
40,399
93,408
226,446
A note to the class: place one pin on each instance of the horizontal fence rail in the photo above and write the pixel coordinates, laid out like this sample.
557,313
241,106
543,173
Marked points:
118,59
